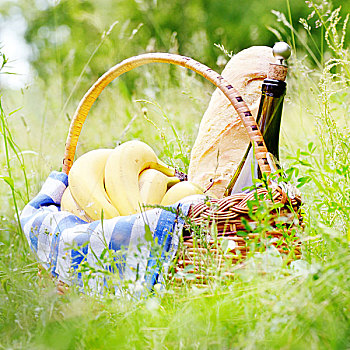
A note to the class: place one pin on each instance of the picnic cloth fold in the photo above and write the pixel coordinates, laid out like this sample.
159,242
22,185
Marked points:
136,249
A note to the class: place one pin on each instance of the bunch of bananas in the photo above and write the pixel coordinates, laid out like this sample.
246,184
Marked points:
122,181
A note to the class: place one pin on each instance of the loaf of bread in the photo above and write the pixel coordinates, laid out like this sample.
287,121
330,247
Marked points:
222,139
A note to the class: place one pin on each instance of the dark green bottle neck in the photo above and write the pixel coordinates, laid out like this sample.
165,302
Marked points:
270,113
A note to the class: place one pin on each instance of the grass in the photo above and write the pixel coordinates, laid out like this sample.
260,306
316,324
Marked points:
301,306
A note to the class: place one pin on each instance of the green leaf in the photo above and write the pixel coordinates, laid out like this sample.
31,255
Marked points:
9,181
16,110
242,233
311,147
148,234
104,251
303,180
305,163
296,172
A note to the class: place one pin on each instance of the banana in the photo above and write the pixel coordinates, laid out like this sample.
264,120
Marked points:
153,185
179,191
122,170
86,182
69,204
163,168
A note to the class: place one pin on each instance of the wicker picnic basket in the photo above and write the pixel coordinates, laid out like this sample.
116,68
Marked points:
229,215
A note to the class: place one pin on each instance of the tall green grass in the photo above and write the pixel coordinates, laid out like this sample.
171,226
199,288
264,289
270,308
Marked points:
304,305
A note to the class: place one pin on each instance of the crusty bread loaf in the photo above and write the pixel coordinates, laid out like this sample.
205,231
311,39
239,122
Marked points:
222,140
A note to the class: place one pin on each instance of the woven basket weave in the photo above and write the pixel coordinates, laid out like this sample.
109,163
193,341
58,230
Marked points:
224,214
210,253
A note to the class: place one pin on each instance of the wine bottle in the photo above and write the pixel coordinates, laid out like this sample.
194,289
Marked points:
268,120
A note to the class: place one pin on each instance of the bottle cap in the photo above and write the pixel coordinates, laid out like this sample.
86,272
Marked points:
281,51
278,71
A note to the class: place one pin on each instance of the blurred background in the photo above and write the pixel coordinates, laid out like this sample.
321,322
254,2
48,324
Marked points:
42,36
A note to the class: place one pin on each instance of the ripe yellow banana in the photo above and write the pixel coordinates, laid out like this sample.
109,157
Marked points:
153,185
69,204
179,191
86,182
122,171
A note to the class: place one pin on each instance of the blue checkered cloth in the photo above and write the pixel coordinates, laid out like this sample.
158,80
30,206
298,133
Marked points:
137,249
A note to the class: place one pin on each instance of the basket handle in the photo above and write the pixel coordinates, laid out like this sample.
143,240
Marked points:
228,90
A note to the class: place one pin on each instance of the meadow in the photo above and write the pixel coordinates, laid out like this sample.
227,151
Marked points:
303,305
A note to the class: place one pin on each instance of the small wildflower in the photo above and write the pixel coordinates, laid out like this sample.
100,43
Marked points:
311,15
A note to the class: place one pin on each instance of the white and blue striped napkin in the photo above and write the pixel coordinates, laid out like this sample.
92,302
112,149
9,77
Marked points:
136,249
